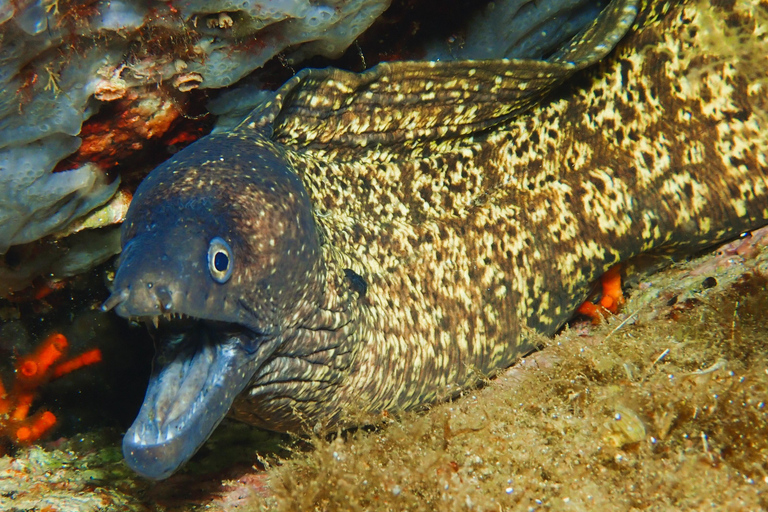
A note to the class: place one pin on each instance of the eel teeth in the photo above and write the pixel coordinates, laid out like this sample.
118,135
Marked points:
165,318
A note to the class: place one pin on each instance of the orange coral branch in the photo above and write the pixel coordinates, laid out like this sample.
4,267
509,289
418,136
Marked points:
5,404
84,359
43,423
611,283
611,298
23,403
33,369
31,372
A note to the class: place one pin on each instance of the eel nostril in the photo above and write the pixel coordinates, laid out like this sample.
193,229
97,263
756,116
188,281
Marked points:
164,298
115,299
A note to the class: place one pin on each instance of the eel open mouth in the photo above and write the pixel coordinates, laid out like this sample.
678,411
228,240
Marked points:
198,370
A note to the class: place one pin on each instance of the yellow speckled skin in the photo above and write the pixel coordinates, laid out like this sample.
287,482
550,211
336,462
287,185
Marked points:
466,240
398,233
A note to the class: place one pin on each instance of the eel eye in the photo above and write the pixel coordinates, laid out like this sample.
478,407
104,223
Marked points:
220,260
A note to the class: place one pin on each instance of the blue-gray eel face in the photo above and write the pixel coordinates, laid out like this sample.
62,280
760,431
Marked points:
213,249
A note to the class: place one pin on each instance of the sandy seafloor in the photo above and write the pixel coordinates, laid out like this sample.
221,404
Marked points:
663,407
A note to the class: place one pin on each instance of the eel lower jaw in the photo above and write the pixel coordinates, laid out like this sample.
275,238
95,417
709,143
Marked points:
199,369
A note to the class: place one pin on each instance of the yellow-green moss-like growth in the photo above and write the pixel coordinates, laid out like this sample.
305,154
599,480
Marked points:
666,411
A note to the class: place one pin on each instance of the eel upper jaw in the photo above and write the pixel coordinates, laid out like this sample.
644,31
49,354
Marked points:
197,373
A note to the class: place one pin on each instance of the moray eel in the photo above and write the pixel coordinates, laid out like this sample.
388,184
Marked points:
372,242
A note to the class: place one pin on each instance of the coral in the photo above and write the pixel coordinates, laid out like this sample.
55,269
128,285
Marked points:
611,297
32,372
62,60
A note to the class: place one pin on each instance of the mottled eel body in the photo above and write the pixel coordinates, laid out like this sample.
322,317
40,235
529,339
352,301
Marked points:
364,242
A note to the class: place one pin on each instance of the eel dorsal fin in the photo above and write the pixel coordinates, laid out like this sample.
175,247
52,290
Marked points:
597,40
399,102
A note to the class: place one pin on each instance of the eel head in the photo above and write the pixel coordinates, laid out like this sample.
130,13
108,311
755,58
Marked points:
219,247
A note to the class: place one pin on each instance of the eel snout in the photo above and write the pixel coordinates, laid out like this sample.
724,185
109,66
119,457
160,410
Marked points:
150,282
157,300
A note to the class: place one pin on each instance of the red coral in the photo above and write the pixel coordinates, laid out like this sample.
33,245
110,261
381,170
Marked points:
612,297
133,133
32,372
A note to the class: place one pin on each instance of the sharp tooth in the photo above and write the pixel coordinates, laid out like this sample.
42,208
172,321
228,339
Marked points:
155,321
